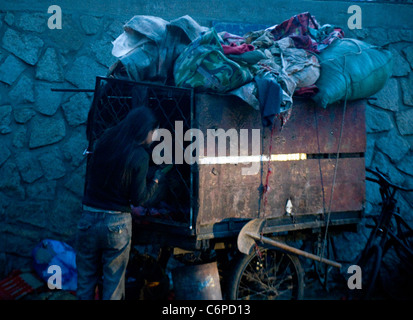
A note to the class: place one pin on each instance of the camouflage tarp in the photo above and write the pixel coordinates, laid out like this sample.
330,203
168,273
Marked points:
204,66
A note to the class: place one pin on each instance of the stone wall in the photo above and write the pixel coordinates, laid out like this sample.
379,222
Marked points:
42,132
389,127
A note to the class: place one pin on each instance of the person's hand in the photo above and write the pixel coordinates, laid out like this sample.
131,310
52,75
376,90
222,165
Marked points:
158,176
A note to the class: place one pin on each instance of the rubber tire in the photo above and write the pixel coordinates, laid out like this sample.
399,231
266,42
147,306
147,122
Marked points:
244,260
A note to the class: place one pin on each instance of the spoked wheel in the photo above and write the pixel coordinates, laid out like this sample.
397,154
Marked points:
268,274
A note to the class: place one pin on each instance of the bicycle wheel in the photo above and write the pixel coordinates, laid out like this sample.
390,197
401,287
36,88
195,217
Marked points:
369,264
271,275
396,275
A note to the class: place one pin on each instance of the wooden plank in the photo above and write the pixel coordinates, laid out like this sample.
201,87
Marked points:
310,129
224,193
314,130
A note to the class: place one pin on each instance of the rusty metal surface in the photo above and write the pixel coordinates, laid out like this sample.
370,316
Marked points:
300,132
308,121
225,194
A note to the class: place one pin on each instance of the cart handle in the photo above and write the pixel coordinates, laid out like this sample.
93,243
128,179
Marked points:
286,247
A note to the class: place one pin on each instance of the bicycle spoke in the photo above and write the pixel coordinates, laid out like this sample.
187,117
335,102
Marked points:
268,277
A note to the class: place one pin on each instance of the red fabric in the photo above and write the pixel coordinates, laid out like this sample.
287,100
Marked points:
307,92
234,49
296,25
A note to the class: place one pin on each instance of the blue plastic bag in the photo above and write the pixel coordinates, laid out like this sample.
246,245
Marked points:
57,254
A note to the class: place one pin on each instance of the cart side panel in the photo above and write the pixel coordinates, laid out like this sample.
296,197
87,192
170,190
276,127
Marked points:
226,194
299,135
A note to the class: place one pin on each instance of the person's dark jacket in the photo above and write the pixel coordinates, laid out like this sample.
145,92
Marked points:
104,189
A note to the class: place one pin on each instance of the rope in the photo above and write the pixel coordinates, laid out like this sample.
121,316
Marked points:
319,161
269,170
261,186
335,168
265,188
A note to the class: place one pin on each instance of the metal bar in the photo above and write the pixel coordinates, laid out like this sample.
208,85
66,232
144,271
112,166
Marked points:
191,173
72,90
292,249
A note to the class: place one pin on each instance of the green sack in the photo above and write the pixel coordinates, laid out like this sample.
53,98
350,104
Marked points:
203,65
351,68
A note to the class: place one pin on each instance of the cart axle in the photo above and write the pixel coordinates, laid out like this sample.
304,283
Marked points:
251,233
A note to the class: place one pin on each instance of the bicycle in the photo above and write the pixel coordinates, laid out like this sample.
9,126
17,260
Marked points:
389,246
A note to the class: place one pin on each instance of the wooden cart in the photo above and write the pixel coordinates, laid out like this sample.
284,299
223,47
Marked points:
315,184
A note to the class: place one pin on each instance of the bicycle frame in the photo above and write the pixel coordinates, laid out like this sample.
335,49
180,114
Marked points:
387,192
387,211
400,237
382,237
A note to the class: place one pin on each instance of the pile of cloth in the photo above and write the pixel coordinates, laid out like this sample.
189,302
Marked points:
265,68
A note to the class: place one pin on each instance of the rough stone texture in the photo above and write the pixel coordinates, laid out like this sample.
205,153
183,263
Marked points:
102,50
24,45
11,69
52,164
47,101
36,216
44,190
29,166
23,91
404,121
2,54
90,25
69,205
407,85
19,238
23,113
383,164
83,73
20,137
388,97
35,22
76,181
377,120
393,146
9,18
10,180
46,131
74,147
348,245
49,67
400,66
4,153
406,165
77,109
70,38
408,52
5,119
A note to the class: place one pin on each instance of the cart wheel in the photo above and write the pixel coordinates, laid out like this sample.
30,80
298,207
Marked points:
268,275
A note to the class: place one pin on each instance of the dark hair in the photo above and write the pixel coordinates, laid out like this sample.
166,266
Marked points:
117,144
